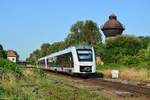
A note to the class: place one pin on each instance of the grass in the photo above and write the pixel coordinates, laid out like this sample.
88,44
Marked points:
109,66
36,85
126,73
135,74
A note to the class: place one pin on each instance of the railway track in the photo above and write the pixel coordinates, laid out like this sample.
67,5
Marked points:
135,91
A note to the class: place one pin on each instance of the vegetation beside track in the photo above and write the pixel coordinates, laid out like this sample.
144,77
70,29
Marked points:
125,72
34,84
8,68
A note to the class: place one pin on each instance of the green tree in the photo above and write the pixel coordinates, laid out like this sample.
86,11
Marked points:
90,32
140,60
45,49
145,41
76,31
1,47
99,49
123,45
3,54
75,34
16,55
144,54
84,32
34,56
57,46
71,39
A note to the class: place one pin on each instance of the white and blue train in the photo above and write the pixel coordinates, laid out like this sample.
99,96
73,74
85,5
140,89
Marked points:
73,60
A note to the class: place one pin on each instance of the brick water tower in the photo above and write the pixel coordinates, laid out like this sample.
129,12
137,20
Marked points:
112,27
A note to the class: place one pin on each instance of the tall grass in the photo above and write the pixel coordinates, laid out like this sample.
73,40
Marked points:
43,87
126,72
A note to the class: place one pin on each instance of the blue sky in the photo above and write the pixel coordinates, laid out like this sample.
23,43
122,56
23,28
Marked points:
26,24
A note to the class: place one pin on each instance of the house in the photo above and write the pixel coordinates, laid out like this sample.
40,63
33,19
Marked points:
12,56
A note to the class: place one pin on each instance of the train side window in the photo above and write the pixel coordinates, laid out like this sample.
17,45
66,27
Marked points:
42,63
65,60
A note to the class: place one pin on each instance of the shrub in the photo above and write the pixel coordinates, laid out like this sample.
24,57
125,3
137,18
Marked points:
10,67
40,73
130,60
121,46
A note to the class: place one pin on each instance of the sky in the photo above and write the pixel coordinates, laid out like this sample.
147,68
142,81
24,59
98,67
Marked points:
26,24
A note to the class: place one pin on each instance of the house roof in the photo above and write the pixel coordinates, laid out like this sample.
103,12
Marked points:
11,53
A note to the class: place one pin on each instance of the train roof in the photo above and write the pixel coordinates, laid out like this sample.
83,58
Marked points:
69,49
82,47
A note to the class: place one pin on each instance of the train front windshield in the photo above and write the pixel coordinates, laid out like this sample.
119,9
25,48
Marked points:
84,55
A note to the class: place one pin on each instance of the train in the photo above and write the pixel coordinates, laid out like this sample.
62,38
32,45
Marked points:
76,60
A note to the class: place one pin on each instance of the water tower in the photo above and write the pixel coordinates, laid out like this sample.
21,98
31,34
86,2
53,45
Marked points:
112,27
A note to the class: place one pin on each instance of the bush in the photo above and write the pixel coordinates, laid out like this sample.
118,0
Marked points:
130,60
10,67
40,73
121,46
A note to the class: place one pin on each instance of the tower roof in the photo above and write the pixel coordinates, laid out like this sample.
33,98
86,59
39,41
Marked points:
112,27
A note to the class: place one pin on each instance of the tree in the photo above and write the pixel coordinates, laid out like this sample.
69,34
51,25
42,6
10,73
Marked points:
3,54
90,32
16,55
57,46
45,49
140,60
123,45
144,54
84,33
99,49
71,40
145,41
34,56
76,31
1,47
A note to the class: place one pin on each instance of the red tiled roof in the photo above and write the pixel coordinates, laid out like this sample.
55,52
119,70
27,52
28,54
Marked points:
11,54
